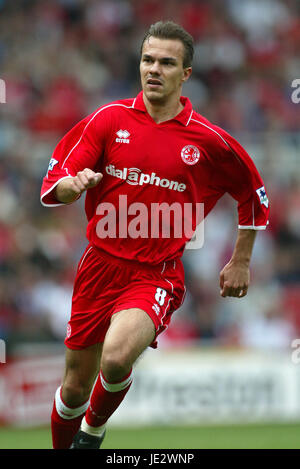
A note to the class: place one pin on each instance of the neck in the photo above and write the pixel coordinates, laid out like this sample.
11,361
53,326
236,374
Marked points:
162,111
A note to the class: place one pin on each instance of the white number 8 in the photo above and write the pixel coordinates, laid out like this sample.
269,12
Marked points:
160,296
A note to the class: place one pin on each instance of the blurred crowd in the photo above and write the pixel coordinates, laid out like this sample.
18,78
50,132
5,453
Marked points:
61,60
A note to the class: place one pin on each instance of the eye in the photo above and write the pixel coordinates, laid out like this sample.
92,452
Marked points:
168,62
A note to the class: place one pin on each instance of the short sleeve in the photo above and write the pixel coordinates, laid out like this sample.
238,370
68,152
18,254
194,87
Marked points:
237,174
82,147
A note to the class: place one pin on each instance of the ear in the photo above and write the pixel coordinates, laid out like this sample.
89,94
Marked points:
186,74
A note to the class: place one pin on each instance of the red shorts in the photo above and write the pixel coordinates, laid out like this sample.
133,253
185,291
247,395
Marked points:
105,285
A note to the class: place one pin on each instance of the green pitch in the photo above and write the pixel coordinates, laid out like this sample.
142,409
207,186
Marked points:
263,436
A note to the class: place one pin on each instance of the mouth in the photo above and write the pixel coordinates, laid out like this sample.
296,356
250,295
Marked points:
154,83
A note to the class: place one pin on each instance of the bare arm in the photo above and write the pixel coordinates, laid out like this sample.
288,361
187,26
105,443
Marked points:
69,189
235,276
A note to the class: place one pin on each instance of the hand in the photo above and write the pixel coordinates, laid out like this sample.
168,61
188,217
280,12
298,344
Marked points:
234,279
85,179
69,189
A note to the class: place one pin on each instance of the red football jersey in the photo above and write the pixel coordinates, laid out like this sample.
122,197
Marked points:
181,162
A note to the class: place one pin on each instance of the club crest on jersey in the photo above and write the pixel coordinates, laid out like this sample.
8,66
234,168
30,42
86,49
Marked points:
122,136
190,154
261,192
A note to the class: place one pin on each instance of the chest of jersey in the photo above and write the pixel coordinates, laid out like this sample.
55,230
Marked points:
164,158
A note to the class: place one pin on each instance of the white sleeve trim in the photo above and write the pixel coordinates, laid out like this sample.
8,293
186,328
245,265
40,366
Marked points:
252,227
51,189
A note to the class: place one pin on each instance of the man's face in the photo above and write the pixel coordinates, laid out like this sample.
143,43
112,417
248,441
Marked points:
161,68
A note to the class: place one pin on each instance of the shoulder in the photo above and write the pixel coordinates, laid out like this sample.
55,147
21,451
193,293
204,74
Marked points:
102,117
225,147
107,115
213,134
114,107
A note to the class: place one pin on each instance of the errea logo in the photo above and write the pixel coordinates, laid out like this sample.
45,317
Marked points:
122,136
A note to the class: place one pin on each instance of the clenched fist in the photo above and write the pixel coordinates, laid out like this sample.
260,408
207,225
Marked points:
234,280
69,189
235,276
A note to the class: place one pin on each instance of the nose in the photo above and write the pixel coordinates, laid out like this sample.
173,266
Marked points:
155,68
